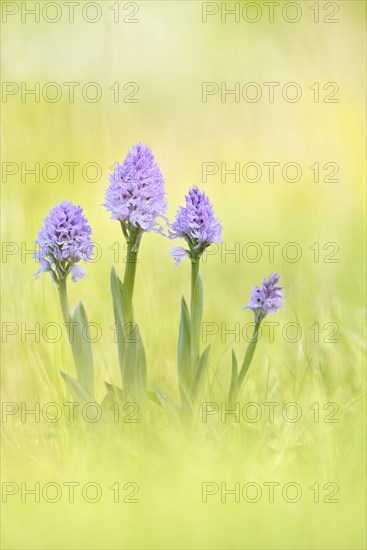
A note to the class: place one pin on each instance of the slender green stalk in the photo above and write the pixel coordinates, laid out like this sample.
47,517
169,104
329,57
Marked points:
249,354
195,338
80,347
132,354
194,275
63,296
133,242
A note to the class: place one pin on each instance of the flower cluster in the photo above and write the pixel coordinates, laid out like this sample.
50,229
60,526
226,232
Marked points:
63,241
267,299
196,224
136,194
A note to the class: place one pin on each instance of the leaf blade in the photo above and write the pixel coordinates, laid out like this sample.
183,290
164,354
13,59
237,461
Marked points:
120,316
201,369
196,319
82,349
233,389
77,391
184,351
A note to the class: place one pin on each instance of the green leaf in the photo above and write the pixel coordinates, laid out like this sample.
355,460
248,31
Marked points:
200,372
130,347
120,315
116,391
135,369
77,391
248,355
171,407
114,394
233,389
82,349
184,352
196,319
108,400
153,397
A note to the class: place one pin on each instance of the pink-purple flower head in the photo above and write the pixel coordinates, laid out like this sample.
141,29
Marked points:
136,194
267,299
63,241
196,224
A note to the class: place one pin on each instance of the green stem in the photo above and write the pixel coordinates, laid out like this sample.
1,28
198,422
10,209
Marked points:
195,339
194,275
64,301
249,355
132,363
133,243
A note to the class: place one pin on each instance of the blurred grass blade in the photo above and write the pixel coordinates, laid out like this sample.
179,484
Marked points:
82,349
153,397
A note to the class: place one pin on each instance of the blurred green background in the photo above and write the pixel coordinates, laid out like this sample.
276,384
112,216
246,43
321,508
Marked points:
170,52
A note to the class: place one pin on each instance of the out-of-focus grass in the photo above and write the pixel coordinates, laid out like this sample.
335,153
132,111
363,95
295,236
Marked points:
170,53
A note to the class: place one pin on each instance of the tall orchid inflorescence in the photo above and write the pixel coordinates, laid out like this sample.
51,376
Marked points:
136,198
136,195
63,241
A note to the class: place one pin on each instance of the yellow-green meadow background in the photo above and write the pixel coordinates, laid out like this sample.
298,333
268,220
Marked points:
151,62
